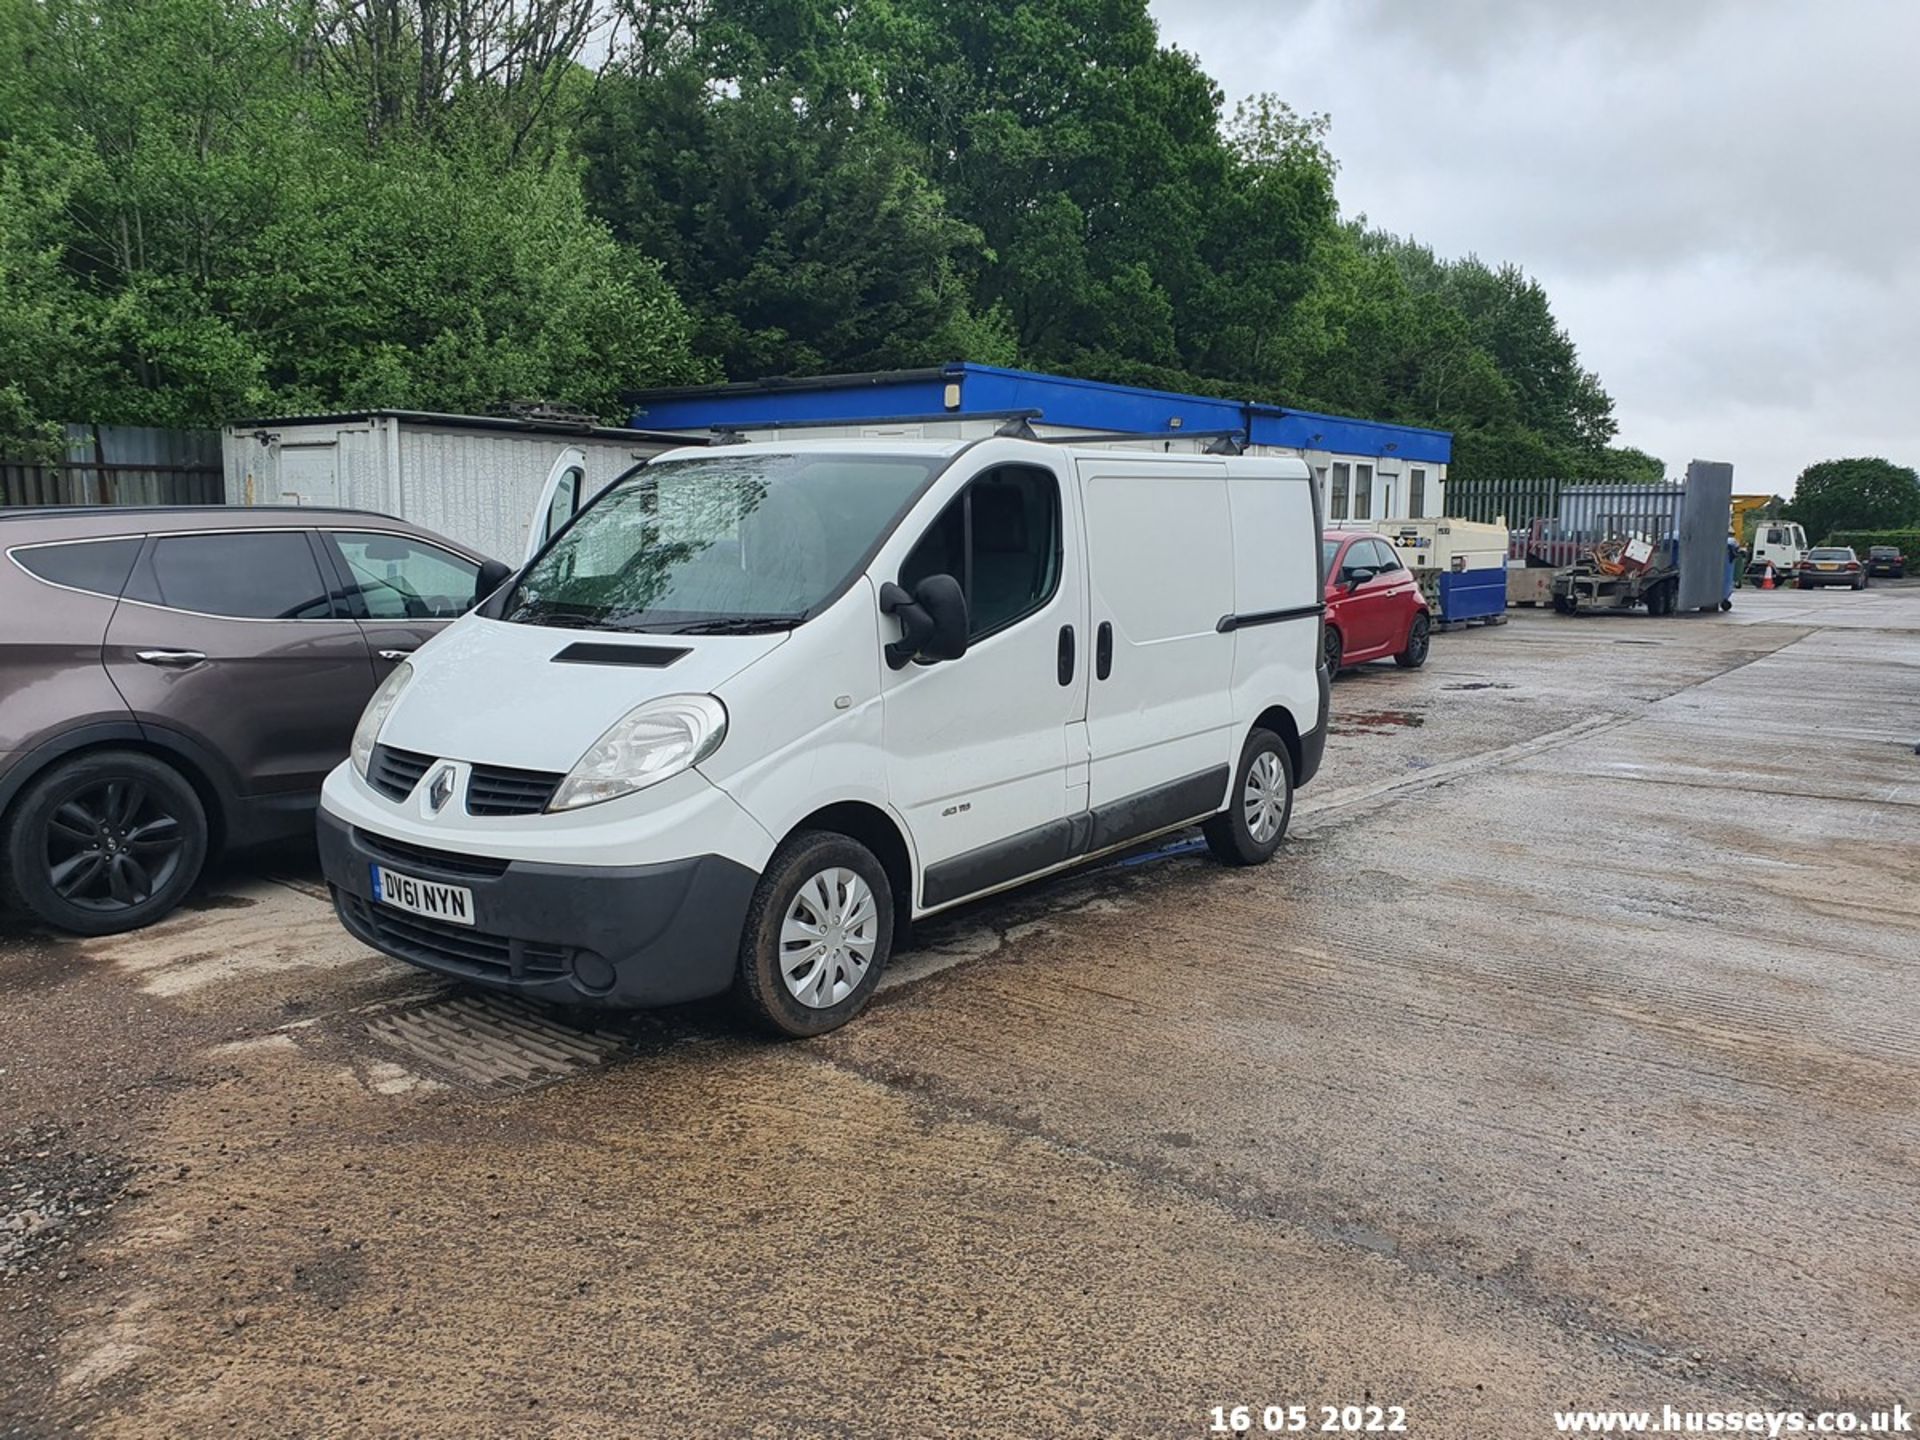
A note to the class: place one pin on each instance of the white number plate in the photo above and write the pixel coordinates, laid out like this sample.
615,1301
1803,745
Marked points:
422,897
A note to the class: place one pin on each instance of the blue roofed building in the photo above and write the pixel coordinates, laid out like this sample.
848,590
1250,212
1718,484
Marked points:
1368,469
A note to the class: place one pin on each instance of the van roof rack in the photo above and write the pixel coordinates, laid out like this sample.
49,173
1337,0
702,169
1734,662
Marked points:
1094,437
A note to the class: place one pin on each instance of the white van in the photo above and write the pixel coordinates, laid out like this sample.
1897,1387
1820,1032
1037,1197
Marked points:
756,707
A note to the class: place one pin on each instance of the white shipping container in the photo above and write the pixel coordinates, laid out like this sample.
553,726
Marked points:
472,478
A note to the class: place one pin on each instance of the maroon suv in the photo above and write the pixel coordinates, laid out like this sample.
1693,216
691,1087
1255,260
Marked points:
177,680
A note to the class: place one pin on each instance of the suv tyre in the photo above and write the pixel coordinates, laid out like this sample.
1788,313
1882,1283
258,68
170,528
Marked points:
102,843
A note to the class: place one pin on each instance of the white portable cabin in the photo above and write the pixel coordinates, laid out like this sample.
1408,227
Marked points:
472,478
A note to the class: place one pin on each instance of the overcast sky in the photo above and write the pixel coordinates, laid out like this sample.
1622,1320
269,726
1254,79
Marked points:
1722,197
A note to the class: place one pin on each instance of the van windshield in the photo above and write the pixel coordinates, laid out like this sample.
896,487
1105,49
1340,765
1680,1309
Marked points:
721,543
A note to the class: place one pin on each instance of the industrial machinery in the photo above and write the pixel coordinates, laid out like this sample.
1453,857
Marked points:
1461,566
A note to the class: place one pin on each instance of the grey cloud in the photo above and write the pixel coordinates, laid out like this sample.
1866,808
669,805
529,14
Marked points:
1717,195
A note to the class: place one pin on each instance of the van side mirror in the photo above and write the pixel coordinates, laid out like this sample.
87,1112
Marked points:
933,620
493,574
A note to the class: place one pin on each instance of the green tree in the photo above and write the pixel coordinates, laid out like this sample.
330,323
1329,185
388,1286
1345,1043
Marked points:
1868,494
198,226
802,243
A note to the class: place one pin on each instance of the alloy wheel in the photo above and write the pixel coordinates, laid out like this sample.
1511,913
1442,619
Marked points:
828,938
1419,635
113,845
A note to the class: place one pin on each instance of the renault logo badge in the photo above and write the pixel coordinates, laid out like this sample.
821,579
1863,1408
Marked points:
441,791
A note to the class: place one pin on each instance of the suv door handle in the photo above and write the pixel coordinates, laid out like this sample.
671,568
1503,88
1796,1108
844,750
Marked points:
395,655
1103,650
171,659
1066,654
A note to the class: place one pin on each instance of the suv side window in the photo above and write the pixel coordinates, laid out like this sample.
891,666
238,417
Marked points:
1000,538
243,574
395,577
99,567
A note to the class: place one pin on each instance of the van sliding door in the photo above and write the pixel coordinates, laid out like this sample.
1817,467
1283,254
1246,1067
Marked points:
1159,713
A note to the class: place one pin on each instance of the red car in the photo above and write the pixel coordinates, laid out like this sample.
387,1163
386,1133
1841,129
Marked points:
1374,605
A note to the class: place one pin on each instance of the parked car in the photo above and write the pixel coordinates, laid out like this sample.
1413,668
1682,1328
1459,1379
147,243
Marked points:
177,680
1374,605
1886,560
1832,565
755,706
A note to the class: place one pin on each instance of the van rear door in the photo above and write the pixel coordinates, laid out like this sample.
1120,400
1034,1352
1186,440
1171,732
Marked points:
1160,710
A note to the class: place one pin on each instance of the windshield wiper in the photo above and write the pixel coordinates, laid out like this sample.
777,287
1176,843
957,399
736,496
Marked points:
734,625
556,619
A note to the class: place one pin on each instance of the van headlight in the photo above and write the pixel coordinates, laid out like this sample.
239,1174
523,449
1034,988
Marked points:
367,732
651,743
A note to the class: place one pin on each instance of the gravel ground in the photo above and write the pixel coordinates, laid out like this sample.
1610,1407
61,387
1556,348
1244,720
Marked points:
1565,1057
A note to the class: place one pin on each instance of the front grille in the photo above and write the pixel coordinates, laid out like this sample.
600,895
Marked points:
496,790
394,773
419,857
452,947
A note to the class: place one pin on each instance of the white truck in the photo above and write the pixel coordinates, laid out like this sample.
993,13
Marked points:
1779,543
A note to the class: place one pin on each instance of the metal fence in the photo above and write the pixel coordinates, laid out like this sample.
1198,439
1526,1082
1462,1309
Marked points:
120,465
72,484
1552,522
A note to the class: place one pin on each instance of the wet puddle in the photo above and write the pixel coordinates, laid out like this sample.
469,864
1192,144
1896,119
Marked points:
1376,722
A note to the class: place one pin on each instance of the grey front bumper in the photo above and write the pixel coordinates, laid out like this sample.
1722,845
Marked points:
618,936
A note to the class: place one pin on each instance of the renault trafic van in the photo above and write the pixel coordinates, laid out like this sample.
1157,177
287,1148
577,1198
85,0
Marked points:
756,707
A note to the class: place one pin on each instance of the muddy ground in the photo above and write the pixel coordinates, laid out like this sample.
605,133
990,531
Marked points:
1567,1057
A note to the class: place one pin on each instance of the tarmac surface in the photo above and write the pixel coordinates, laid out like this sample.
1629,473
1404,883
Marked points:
1566,1057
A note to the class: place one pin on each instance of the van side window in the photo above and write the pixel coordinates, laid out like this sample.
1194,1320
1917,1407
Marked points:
1000,538
566,500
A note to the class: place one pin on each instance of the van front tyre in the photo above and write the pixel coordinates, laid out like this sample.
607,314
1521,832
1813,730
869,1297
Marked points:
817,937
103,843
1259,806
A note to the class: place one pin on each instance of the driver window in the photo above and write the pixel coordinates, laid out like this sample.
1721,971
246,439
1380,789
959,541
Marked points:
566,499
1000,538
395,578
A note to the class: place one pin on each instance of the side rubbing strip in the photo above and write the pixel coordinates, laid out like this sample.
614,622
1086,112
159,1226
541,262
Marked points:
1229,623
1048,846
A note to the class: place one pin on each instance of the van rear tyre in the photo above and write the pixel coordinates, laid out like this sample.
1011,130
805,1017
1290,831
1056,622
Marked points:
818,934
1259,806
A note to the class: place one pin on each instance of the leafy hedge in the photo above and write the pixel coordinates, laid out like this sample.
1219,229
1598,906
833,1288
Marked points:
1908,541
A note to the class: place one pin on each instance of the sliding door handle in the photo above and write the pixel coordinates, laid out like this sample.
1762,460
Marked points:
1103,651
